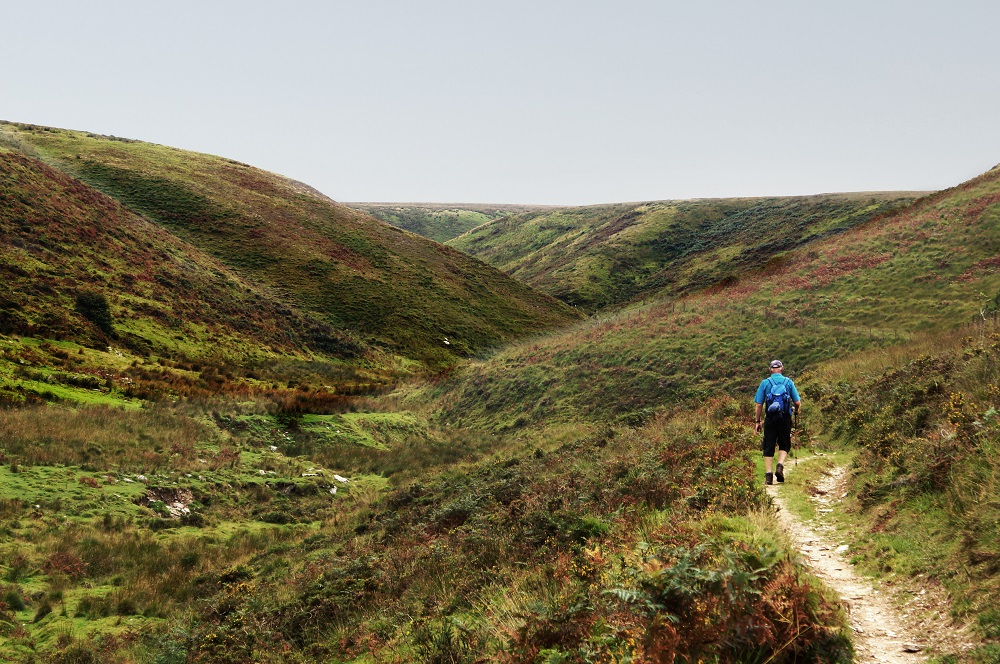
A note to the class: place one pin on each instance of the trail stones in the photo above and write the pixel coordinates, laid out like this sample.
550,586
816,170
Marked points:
177,501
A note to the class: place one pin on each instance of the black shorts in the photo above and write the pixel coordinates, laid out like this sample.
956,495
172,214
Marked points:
777,433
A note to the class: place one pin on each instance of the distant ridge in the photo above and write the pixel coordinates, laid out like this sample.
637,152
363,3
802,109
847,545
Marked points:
604,255
441,221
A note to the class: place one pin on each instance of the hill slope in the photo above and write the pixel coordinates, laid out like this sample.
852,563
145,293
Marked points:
598,256
438,221
925,267
62,238
351,271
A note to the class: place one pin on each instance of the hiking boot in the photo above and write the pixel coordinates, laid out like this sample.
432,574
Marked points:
779,472
768,478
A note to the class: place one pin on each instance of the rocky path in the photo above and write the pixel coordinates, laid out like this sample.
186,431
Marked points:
884,631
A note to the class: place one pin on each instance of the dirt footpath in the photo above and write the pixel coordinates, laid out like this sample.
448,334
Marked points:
885,628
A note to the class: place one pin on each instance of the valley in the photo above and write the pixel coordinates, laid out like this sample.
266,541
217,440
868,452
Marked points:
242,422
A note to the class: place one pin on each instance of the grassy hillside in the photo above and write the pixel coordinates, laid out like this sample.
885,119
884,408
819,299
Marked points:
593,257
96,300
63,240
902,287
926,267
389,287
438,221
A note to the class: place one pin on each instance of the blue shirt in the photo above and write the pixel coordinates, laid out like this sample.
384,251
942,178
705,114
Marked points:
776,378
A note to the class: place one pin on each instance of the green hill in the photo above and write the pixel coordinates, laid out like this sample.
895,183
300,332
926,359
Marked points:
343,267
593,257
100,305
438,221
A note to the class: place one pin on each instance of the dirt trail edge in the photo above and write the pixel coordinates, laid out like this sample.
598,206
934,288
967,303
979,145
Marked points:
882,632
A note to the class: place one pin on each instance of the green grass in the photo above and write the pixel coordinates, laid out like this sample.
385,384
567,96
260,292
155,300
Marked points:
384,543
138,571
842,294
921,501
376,430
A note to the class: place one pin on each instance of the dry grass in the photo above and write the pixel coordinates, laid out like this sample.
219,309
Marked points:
101,436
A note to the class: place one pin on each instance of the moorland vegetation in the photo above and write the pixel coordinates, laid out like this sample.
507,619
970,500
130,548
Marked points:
438,222
204,460
601,256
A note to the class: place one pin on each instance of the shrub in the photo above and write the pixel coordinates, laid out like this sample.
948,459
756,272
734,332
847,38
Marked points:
78,652
44,609
445,642
94,307
14,600
63,562
18,567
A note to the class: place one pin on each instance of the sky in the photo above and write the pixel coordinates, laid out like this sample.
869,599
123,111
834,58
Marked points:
544,102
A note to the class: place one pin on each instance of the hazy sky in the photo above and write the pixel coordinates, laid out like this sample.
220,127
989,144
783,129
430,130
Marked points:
529,102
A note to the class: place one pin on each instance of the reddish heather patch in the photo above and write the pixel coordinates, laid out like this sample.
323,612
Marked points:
822,275
795,284
249,179
342,254
983,267
739,291
974,211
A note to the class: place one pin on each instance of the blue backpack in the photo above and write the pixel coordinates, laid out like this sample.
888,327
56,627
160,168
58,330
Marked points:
778,399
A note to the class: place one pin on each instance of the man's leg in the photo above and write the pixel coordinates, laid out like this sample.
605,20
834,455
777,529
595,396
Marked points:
770,439
784,446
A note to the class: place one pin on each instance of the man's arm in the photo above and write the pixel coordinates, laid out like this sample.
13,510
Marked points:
756,416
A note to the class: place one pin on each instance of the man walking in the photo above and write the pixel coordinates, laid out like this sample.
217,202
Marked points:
777,394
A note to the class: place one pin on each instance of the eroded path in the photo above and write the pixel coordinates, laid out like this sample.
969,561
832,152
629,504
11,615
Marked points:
884,631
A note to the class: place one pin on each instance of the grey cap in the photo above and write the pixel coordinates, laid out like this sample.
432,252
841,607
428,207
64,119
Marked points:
776,364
